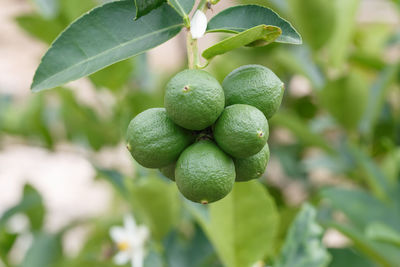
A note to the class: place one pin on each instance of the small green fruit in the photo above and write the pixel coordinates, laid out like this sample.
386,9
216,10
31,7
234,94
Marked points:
241,130
254,85
204,173
194,99
252,167
154,140
169,171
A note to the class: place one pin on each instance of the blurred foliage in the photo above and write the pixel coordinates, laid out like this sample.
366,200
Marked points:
341,116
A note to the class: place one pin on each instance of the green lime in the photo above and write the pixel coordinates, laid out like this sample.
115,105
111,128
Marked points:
194,99
154,140
169,171
254,85
241,130
252,167
204,173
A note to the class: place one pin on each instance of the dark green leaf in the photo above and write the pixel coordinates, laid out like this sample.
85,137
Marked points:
248,211
303,245
376,97
144,7
348,257
262,34
183,7
191,249
240,18
106,35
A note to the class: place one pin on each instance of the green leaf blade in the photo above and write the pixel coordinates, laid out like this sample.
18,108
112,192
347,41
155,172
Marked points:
144,7
104,36
183,7
236,19
303,245
264,33
248,211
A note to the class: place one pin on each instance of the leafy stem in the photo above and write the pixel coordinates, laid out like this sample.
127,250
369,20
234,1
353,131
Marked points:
191,44
192,51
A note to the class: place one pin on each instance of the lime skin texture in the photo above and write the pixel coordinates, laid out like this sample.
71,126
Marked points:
252,167
154,140
204,173
194,99
169,171
241,130
254,85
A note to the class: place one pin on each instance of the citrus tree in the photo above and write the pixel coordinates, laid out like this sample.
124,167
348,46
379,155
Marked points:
202,138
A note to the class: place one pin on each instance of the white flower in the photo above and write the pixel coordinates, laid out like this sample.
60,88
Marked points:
198,25
130,241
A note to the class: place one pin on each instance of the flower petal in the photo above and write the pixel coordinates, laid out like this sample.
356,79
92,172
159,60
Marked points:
138,258
118,234
121,258
198,25
129,224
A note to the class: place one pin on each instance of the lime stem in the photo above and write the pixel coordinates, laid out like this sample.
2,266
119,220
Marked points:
192,51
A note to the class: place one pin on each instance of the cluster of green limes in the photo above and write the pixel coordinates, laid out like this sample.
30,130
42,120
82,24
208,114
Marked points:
209,135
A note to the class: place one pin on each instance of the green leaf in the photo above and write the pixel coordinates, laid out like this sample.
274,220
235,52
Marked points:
386,254
348,257
262,34
315,19
105,35
339,43
144,7
156,203
72,9
299,128
376,97
345,90
45,250
362,208
240,18
303,245
31,204
382,232
183,7
115,178
242,226
115,76
43,29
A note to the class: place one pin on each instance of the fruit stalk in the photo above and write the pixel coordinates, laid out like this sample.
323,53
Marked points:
191,44
192,51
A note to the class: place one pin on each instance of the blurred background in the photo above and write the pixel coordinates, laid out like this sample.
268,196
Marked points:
66,177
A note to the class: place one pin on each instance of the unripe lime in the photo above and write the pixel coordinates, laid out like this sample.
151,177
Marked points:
252,167
169,171
194,99
154,140
241,130
204,173
254,85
